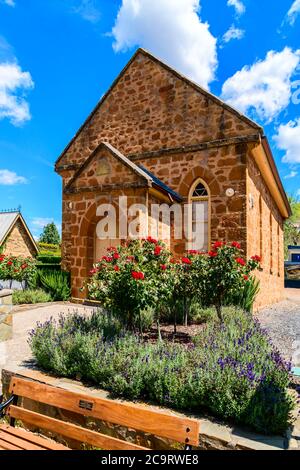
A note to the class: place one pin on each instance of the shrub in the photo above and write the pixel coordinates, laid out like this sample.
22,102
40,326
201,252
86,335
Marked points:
226,274
48,258
49,248
30,297
17,268
133,279
245,296
232,370
143,275
56,283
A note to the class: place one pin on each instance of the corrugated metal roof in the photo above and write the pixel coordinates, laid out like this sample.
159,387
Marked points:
6,221
162,185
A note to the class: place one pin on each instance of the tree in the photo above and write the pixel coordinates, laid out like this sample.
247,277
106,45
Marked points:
50,234
291,231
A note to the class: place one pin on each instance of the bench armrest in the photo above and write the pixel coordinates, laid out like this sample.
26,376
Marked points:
5,405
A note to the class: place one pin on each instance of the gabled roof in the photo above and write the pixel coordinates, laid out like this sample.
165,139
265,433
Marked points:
114,152
8,220
139,170
178,75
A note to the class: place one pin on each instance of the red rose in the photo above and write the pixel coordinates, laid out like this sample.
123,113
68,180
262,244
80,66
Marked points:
93,271
24,266
130,259
246,277
138,276
163,267
158,250
186,261
218,245
193,252
108,259
112,248
212,254
117,256
241,261
256,258
236,245
152,240
9,263
116,268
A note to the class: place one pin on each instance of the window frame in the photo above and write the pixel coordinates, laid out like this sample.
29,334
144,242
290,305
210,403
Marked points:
191,199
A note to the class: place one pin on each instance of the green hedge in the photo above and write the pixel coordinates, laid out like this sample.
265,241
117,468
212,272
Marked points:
49,247
49,259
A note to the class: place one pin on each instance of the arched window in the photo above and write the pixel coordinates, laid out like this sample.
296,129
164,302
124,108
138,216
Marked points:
199,216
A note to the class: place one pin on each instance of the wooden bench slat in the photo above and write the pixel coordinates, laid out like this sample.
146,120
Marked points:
131,416
7,446
17,441
32,438
72,431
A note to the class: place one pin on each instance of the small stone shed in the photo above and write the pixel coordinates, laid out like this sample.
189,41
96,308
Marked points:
15,236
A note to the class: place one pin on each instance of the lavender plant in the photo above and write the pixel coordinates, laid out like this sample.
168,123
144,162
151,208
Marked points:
232,370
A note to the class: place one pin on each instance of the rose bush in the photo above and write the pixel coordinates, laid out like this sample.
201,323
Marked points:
143,275
132,279
17,268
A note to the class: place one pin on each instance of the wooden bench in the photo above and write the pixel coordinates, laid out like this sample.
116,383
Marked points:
182,430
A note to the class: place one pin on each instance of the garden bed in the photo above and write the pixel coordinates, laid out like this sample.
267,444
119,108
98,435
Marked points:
230,370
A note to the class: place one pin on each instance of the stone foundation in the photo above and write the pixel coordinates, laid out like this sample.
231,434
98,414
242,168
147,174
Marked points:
213,435
5,315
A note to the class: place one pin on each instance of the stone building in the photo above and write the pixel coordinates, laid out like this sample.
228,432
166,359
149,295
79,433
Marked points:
15,237
155,136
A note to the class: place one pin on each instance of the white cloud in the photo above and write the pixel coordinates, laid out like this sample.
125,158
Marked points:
38,223
264,87
10,3
288,139
13,83
10,178
238,6
293,12
41,222
88,10
292,174
171,29
233,33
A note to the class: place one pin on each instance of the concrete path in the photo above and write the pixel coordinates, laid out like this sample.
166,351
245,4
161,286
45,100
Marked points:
17,350
282,321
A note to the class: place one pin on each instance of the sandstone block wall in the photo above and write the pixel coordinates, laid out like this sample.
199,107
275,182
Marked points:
265,237
18,242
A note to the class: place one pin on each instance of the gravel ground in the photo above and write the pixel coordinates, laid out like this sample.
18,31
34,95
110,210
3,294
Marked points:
282,321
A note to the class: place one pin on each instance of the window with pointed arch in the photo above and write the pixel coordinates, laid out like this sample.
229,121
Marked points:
199,216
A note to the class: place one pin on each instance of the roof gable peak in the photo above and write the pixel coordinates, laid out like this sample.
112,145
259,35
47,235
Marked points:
180,76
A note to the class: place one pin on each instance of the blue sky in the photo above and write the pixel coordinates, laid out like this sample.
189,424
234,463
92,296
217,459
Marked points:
58,57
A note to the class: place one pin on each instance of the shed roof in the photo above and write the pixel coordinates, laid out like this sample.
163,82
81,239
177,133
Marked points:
7,222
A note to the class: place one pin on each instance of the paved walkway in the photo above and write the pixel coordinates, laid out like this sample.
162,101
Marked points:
282,321
17,349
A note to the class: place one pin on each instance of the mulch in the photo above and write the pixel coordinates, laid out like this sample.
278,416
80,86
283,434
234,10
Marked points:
184,334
